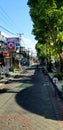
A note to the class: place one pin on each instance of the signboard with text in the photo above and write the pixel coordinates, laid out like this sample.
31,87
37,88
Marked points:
12,42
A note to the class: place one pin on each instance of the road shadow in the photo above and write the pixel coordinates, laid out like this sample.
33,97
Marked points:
35,97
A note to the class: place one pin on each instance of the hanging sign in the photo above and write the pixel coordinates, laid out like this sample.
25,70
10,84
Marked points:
11,46
12,43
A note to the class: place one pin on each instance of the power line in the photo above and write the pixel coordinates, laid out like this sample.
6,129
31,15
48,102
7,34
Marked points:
7,17
7,30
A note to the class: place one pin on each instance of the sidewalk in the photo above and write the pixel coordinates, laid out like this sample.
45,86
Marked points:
11,76
6,80
31,105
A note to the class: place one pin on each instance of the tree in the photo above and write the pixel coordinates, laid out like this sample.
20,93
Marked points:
47,17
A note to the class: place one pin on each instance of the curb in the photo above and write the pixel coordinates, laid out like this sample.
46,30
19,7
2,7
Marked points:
60,94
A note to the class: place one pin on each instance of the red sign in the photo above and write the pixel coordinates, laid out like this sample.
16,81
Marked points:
11,43
6,54
11,46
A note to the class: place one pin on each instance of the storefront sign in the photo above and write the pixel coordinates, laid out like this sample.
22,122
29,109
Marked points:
12,43
6,54
11,46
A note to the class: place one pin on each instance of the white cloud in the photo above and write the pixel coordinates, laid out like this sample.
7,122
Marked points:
29,44
4,34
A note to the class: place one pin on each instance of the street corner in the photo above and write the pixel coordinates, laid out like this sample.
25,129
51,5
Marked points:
15,122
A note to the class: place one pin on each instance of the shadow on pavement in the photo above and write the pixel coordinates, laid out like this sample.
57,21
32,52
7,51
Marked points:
35,98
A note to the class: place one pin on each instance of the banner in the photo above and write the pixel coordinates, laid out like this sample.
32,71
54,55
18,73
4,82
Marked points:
12,43
11,46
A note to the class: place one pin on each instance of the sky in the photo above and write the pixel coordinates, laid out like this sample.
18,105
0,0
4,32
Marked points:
14,17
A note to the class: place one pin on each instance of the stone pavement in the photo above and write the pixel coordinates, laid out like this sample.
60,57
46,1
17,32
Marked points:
30,103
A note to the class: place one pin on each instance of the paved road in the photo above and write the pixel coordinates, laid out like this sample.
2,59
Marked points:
29,103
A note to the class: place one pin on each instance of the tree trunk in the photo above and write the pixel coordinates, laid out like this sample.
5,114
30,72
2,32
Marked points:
61,62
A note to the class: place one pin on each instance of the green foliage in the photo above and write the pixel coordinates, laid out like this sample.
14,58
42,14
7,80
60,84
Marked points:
59,75
47,17
41,50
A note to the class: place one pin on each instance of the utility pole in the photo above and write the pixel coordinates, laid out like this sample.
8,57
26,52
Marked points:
20,35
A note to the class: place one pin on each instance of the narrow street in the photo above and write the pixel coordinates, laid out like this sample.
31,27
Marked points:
28,103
